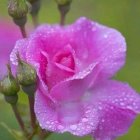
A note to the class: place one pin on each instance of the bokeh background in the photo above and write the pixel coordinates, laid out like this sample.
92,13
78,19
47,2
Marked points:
123,15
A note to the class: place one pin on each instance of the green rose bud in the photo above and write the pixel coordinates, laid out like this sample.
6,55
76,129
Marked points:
63,2
26,74
9,85
11,99
35,6
18,10
63,7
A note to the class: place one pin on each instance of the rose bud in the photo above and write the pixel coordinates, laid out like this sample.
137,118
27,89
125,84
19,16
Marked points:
26,76
18,10
63,2
63,7
11,99
35,6
9,85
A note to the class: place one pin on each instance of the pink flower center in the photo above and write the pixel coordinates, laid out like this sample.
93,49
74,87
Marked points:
57,68
65,60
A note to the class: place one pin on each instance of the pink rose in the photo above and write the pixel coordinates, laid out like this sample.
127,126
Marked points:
74,64
9,33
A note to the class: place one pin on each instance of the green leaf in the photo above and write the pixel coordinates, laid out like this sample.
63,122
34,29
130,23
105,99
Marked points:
1,97
18,135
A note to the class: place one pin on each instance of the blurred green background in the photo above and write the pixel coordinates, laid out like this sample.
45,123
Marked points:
123,15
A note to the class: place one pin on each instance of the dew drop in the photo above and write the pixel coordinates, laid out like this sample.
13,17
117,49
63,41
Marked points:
47,122
102,120
60,127
105,36
122,104
73,127
100,108
134,103
84,120
93,29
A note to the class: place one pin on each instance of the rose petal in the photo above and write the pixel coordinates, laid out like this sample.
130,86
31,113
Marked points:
100,43
52,72
50,39
68,112
7,42
118,105
75,117
74,87
20,47
113,122
90,41
117,93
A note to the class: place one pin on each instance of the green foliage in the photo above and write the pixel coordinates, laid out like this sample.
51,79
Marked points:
18,135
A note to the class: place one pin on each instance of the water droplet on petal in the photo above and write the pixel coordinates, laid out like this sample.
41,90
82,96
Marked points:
105,36
84,120
73,127
60,127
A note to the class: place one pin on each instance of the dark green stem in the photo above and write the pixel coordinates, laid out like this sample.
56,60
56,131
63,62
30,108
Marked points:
35,20
62,19
32,113
23,31
43,134
35,11
19,119
63,9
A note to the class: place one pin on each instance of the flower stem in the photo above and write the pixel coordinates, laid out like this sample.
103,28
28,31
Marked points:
62,19
32,113
35,20
19,119
43,134
23,31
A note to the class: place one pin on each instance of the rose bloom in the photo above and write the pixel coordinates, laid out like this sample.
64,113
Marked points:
74,64
9,33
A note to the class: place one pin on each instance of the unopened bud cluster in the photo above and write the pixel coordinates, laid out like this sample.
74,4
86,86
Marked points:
26,77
